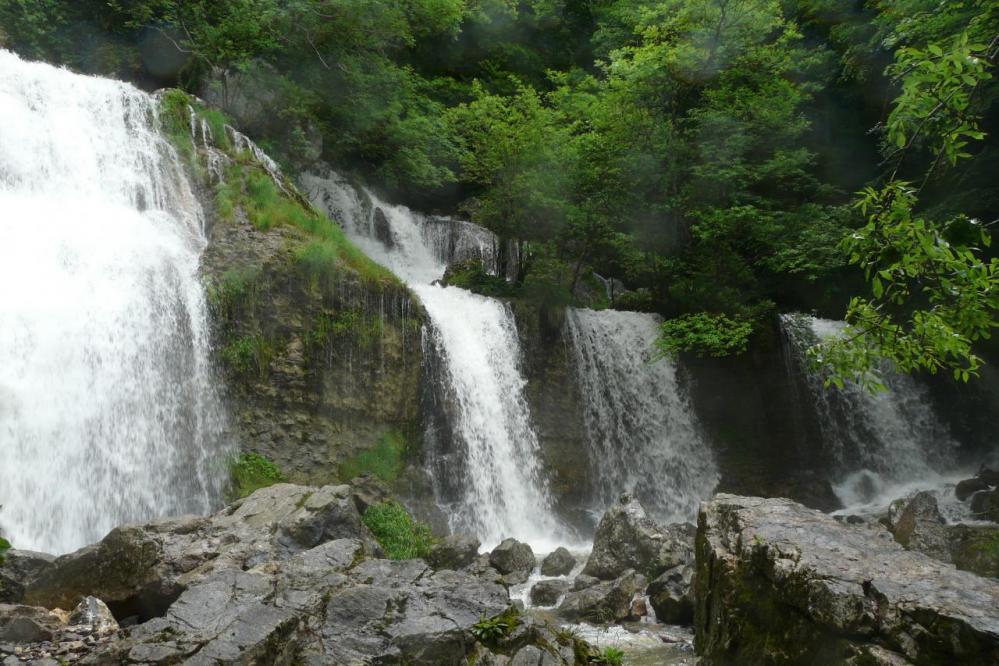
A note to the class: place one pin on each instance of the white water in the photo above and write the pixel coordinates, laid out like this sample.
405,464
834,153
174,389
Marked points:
885,445
107,408
475,338
643,435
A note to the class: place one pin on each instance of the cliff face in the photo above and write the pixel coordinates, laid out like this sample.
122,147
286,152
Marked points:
318,347
318,367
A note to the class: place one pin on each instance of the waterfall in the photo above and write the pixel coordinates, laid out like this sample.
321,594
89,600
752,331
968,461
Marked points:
108,413
877,442
643,436
497,473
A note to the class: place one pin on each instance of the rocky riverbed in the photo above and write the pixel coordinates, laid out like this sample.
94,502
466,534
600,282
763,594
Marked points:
291,575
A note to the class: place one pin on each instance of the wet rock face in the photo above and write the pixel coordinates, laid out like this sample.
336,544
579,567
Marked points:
779,583
672,595
20,567
319,363
627,538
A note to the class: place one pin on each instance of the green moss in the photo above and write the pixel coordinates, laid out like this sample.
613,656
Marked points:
235,290
399,535
249,354
250,472
384,459
4,547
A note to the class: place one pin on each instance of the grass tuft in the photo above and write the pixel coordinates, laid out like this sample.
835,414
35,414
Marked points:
399,535
250,472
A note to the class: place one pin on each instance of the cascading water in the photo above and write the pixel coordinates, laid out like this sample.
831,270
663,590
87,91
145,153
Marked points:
108,412
644,438
503,493
882,444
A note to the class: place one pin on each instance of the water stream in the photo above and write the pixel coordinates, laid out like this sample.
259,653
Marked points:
108,412
501,489
883,445
643,435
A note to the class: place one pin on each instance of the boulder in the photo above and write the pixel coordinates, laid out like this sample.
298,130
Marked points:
559,562
985,505
19,569
605,602
779,583
548,592
93,616
627,538
27,624
512,556
919,526
139,570
965,489
975,548
582,581
454,552
671,596
267,581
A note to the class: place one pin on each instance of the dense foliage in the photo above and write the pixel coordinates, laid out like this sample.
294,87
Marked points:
706,153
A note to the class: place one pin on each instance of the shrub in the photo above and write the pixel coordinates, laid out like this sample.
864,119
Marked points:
704,335
250,472
399,535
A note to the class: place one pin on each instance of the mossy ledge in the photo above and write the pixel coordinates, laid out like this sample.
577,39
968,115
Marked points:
318,346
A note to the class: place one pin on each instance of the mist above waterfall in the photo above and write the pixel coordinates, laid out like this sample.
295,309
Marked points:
108,412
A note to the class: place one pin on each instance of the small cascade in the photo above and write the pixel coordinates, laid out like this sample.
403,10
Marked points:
878,442
644,438
491,483
108,411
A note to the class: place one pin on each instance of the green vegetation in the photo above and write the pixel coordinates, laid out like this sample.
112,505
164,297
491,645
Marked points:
494,629
250,472
384,459
611,656
249,355
706,153
705,335
4,547
473,276
401,537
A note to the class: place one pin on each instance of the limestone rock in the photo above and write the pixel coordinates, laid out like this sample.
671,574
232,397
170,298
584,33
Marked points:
919,526
672,595
627,538
548,592
605,602
975,548
559,562
93,615
512,556
27,624
779,583
20,568
454,552
141,569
